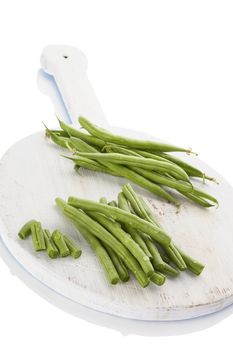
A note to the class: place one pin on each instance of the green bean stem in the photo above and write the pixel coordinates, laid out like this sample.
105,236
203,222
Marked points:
37,237
50,246
197,199
60,243
75,133
57,139
121,140
75,251
100,232
189,169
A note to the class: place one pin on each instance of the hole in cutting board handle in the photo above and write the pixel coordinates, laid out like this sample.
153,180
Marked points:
65,56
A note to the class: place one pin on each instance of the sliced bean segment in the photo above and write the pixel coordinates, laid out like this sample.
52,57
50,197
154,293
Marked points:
60,243
51,249
25,230
37,237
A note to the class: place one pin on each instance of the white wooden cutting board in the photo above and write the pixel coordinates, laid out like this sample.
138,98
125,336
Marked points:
32,175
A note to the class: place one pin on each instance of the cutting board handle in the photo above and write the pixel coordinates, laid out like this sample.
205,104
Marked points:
68,66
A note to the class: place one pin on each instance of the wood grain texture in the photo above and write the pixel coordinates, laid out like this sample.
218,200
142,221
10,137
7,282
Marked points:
32,174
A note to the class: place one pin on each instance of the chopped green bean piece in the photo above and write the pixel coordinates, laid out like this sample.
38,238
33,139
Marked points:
60,243
38,237
75,251
25,231
51,249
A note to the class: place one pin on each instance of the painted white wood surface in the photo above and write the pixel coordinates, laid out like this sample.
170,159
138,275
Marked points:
68,66
32,174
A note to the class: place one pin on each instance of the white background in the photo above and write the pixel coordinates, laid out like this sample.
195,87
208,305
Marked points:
163,67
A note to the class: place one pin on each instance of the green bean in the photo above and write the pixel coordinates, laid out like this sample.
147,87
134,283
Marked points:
118,263
165,258
124,205
80,144
112,203
170,250
100,232
190,170
176,257
25,230
56,132
140,210
156,156
164,180
103,200
59,140
144,163
91,165
143,211
109,148
195,198
142,182
37,237
151,175
135,202
126,240
197,192
101,254
193,265
50,246
121,140
73,132
158,278
60,243
157,260
75,251
120,215
122,171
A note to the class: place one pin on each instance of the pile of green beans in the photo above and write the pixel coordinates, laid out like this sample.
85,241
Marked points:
55,244
127,237
148,164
